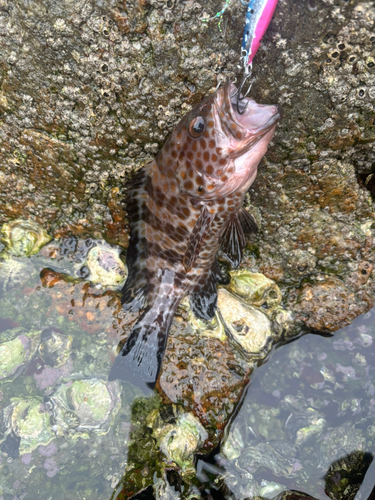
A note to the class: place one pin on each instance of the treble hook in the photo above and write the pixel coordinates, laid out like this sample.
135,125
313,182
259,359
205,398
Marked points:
242,97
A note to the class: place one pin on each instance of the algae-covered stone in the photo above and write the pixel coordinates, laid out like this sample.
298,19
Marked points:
17,348
84,405
29,420
23,237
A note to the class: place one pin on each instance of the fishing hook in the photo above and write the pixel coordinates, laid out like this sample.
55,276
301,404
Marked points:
239,95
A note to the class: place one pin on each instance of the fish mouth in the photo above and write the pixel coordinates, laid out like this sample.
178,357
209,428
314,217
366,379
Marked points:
254,119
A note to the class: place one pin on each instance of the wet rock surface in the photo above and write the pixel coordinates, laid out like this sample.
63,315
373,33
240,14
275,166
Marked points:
89,92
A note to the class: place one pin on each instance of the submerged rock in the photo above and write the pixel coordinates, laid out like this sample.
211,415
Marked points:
14,272
55,348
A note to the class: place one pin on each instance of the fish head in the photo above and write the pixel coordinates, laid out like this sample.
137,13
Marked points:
215,150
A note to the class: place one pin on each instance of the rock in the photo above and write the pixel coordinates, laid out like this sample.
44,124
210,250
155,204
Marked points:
96,89
326,305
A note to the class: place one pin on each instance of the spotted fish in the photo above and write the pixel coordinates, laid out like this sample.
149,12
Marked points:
183,208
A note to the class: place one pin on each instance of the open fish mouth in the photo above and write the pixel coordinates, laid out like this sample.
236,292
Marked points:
256,119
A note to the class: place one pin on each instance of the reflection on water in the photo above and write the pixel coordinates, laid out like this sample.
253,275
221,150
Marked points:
306,424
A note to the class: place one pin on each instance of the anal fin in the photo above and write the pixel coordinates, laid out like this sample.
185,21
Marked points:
203,298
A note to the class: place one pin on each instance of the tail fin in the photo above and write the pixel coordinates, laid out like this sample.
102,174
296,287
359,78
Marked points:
140,358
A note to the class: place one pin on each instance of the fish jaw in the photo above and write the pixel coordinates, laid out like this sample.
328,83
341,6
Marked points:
251,123
244,136
247,164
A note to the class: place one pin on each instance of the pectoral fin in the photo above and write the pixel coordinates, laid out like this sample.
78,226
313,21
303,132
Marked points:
197,238
247,222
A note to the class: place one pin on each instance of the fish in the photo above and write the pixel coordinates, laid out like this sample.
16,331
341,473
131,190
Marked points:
183,208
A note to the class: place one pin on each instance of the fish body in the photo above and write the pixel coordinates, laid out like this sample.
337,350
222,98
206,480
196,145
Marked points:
183,208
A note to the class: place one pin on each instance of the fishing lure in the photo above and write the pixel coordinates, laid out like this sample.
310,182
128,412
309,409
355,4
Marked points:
258,16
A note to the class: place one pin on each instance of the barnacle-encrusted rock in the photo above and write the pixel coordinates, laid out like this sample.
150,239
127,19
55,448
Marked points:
84,405
28,419
105,266
23,237
17,348
326,305
300,263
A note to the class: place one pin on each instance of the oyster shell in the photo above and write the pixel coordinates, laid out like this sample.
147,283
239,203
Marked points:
179,441
249,328
105,266
23,237
29,420
256,289
284,323
84,405
55,348
17,348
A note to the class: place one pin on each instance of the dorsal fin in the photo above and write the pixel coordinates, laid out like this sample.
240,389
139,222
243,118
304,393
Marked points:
196,238
232,241
135,289
247,222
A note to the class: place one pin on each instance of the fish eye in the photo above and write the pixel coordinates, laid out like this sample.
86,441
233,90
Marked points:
200,189
197,126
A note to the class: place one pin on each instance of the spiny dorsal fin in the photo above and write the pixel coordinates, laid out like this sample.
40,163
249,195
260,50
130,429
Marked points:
247,222
135,289
196,238
232,241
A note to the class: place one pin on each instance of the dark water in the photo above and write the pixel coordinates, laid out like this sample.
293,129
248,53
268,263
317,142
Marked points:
306,423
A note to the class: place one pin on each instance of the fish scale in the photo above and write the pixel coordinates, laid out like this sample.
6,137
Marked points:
183,208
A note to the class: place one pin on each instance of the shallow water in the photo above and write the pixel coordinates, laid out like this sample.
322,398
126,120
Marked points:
307,422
